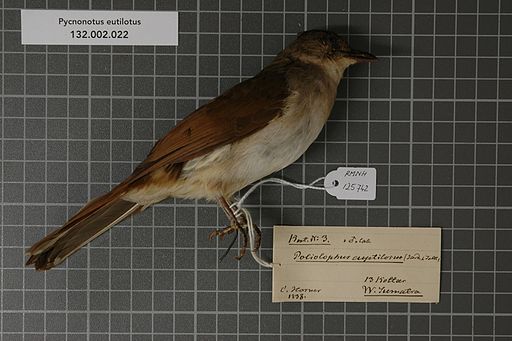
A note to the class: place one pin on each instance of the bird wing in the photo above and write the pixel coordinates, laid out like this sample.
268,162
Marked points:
239,112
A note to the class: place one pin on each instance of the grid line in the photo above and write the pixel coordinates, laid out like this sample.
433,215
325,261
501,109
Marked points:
432,116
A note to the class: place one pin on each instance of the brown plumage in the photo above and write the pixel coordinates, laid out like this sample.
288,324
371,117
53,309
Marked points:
252,130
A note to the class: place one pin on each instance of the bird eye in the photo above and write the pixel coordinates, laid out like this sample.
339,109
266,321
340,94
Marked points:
334,42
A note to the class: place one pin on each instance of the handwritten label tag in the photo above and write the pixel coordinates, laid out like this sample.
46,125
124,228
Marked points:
62,27
356,264
350,183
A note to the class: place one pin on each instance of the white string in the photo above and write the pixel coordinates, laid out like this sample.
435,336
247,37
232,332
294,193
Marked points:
239,211
240,202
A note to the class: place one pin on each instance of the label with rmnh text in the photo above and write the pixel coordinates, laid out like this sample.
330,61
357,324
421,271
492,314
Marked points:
352,183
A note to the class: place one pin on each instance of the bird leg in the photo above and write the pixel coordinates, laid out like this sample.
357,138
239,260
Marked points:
243,221
236,225
257,244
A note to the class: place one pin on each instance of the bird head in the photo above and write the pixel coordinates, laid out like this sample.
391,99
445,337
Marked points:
325,47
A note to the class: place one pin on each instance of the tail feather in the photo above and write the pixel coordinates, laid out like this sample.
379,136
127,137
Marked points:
95,218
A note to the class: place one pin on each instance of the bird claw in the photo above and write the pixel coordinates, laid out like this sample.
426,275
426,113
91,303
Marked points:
243,248
257,244
221,233
240,225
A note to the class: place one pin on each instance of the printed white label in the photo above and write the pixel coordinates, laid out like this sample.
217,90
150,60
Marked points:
356,264
350,183
62,27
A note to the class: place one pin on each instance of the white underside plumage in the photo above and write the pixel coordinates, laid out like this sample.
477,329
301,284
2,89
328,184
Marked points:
230,168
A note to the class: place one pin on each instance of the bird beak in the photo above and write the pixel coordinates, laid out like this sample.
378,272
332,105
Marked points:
360,56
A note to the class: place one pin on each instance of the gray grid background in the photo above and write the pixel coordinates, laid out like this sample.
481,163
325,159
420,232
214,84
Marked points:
434,116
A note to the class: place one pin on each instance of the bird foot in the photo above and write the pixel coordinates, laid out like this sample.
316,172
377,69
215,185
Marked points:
221,233
238,223
243,248
257,242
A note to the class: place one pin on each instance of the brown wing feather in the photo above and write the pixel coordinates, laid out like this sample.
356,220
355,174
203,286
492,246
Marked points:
239,112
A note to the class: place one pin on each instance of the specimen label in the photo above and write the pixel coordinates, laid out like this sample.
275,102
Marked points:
356,264
63,27
351,183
